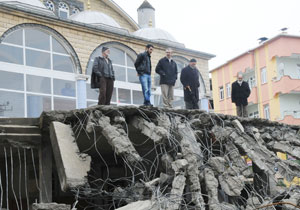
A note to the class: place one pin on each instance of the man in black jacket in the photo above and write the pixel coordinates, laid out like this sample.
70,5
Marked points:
103,77
190,80
240,91
167,69
143,67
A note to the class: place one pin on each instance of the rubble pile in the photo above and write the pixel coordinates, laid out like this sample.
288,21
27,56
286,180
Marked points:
151,158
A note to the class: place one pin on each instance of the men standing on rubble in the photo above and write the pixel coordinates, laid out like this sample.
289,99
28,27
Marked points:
167,70
190,81
240,91
143,67
103,77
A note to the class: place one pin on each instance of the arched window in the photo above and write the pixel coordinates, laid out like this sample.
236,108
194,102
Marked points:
50,5
63,10
75,10
127,86
36,72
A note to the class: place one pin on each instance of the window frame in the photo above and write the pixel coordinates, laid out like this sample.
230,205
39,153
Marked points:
221,93
267,111
52,74
228,90
263,74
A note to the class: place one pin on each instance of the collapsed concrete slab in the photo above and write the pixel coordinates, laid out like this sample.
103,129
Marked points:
73,167
180,159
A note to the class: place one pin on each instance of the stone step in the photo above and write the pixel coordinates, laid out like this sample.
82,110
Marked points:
20,121
20,139
25,129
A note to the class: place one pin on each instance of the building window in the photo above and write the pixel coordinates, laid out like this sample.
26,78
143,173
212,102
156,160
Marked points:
75,10
221,92
228,90
254,114
63,10
251,81
49,5
39,73
267,111
127,85
281,69
298,71
263,75
181,63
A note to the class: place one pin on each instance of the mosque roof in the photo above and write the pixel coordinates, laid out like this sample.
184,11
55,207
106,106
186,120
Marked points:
94,18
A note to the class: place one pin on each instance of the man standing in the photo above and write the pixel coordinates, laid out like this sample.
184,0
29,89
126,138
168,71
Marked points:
103,77
167,69
143,68
240,91
190,81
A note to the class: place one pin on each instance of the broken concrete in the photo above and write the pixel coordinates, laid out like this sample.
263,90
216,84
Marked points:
73,166
149,129
50,206
193,161
116,136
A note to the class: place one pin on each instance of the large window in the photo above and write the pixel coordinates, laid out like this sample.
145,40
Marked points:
263,75
36,73
63,10
228,90
221,92
127,86
267,111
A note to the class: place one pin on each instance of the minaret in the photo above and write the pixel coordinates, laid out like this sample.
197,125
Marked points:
146,15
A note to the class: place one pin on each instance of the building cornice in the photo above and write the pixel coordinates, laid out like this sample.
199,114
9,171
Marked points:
123,34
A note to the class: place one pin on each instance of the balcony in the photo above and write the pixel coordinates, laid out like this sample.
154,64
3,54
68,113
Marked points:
253,96
286,85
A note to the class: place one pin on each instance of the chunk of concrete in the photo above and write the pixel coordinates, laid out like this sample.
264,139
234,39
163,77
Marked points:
232,185
237,124
140,205
72,166
179,165
211,184
149,129
118,139
50,206
176,192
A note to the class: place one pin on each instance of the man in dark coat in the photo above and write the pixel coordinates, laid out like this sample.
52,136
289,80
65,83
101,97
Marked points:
190,81
240,91
103,77
143,67
167,69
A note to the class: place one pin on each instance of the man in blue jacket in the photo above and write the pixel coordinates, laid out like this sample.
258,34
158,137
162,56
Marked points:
167,69
190,80
143,67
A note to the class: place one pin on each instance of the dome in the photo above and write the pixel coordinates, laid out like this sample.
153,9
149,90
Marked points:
94,18
35,3
154,33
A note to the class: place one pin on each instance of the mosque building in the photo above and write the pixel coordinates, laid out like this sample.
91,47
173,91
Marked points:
47,49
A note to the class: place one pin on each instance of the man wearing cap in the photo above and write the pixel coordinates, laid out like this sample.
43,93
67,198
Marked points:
103,77
143,67
190,80
240,92
167,70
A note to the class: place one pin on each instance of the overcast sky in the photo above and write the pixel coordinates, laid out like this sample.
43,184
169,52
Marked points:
225,28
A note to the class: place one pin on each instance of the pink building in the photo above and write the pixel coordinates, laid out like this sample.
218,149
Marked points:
273,72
